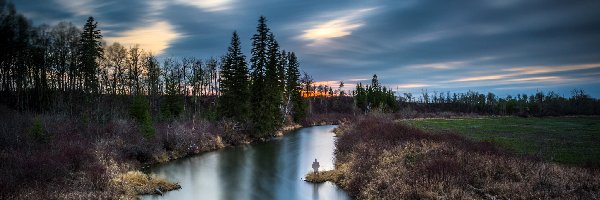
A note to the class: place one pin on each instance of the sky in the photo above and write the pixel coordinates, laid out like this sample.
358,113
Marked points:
500,46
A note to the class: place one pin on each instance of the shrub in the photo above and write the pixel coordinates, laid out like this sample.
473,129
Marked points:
231,132
140,111
37,130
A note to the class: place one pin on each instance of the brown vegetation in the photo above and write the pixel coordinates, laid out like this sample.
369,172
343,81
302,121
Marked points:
136,182
322,176
327,119
54,156
377,158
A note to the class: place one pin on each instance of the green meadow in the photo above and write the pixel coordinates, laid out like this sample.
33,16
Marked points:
567,140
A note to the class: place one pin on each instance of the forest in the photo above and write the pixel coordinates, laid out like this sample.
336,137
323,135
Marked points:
66,69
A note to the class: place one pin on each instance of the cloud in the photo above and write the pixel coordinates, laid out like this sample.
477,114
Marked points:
328,83
438,66
412,85
531,74
79,7
358,79
154,38
480,78
209,5
555,79
340,26
551,69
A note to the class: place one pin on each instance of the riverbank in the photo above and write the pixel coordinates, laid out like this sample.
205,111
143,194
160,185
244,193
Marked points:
377,158
262,170
55,156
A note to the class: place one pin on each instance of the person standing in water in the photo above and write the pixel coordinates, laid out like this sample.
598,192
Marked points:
315,166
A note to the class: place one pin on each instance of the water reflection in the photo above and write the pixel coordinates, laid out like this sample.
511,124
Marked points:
272,170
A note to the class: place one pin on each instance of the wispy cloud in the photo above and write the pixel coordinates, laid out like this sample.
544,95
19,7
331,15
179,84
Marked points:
532,73
328,83
340,25
412,85
480,78
536,79
450,64
80,7
358,79
209,5
438,66
551,69
154,38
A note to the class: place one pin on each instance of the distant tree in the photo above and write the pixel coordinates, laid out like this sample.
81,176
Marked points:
64,39
115,57
341,89
153,82
233,102
212,76
360,97
425,95
134,65
39,67
375,96
307,82
15,35
173,102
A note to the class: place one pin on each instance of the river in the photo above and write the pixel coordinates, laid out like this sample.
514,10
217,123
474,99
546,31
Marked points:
271,170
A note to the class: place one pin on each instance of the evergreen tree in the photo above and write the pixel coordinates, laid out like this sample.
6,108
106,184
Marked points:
140,111
233,102
273,95
258,87
293,89
360,97
90,49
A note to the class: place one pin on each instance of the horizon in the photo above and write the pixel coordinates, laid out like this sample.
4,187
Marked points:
507,47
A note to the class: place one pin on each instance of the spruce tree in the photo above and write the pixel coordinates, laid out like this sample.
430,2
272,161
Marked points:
233,102
90,49
273,82
260,118
293,88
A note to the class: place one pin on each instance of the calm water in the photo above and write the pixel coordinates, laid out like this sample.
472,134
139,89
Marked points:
270,170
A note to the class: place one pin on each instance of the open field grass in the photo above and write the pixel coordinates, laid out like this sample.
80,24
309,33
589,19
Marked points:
568,140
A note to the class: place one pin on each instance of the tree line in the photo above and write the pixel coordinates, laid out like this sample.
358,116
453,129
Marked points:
64,68
538,104
375,97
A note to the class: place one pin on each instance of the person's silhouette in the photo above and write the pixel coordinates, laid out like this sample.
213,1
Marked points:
315,166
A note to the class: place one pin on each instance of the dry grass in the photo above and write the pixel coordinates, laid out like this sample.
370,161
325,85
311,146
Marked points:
322,176
135,183
327,119
379,159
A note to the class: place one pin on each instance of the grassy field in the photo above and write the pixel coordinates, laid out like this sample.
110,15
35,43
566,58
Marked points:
568,140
